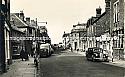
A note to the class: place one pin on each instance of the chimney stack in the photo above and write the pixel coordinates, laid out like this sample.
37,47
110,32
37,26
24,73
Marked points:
28,20
107,7
22,15
98,12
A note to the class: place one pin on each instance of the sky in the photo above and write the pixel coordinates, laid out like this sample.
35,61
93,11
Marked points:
60,15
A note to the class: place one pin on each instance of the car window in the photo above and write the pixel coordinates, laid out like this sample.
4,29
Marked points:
97,50
90,50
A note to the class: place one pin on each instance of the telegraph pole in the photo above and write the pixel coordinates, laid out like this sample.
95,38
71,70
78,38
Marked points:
2,40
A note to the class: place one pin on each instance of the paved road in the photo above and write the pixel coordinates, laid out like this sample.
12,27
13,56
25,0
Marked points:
67,64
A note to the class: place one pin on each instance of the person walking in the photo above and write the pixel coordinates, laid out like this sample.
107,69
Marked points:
22,53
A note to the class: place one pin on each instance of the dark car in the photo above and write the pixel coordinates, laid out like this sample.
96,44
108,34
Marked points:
96,53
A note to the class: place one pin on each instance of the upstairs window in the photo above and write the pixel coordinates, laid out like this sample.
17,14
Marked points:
116,11
30,30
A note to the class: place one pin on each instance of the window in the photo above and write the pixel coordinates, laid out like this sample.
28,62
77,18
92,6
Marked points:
30,30
3,1
75,35
116,11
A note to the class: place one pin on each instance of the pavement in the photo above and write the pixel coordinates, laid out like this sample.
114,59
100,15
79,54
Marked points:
21,68
119,63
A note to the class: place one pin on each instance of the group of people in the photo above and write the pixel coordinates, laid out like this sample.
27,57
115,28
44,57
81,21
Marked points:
24,55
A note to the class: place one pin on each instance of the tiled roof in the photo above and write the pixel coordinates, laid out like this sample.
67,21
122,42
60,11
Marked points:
15,27
18,22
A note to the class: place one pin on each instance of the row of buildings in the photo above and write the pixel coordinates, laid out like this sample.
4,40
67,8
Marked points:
105,30
14,29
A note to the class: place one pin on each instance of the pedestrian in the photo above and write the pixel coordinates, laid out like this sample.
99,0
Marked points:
22,53
26,56
71,49
112,56
36,61
32,52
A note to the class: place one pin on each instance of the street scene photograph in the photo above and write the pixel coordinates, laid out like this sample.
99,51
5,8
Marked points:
62,38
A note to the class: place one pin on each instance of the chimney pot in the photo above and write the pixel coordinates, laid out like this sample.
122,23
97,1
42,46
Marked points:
98,12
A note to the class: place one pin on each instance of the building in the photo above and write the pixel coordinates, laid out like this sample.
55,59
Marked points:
98,29
24,25
66,40
5,54
17,44
91,31
117,19
78,37
43,33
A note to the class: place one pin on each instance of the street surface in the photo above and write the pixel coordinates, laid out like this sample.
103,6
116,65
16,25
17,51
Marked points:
68,64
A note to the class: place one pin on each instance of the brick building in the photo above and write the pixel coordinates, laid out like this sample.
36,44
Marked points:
117,28
98,29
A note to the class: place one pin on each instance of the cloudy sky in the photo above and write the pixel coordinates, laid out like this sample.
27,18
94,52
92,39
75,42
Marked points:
60,14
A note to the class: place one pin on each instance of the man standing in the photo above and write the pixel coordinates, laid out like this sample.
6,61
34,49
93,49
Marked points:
22,53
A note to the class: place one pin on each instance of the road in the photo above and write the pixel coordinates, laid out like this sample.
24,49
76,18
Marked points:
68,64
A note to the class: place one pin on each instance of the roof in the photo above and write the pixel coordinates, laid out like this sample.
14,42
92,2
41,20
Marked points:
18,22
91,21
99,17
15,28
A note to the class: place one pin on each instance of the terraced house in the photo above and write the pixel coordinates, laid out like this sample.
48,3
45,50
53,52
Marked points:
98,29
106,30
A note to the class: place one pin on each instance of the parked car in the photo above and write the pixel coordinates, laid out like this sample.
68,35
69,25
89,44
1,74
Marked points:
45,50
96,53
61,46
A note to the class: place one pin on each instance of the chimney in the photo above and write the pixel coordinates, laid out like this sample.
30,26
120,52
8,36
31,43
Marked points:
22,15
33,22
28,20
98,12
107,7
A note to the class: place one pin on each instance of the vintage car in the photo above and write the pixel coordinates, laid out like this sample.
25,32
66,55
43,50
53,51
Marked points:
45,50
96,53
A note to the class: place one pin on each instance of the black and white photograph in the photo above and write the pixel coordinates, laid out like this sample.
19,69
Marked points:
62,38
